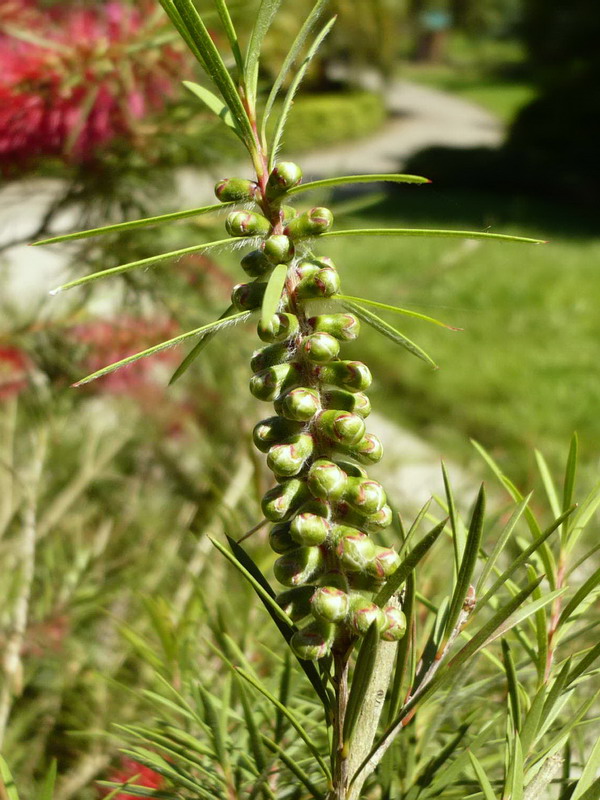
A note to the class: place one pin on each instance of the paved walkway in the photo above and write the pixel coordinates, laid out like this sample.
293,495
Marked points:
421,117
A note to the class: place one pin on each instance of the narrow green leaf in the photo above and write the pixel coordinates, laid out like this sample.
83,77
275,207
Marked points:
227,23
286,629
194,353
404,569
593,792
383,327
289,98
363,671
458,531
8,782
484,781
134,223
396,309
341,180
216,105
585,513
434,233
468,562
536,531
433,645
548,482
501,542
541,634
214,65
289,60
283,694
584,591
531,724
176,775
522,558
515,785
570,475
254,736
406,649
142,262
291,717
137,791
47,791
272,295
415,525
432,768
150,351
513,685
582,666
294,768
264,17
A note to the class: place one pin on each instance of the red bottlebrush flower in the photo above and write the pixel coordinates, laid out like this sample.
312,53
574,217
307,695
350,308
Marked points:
72,79
14,368
128,769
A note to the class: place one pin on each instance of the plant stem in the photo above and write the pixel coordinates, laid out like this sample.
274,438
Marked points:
340,766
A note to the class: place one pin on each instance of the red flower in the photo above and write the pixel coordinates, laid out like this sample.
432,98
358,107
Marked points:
14,368
128,769
72,79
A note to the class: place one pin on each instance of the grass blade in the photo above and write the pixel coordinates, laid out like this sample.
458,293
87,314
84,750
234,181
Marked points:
363,670
436,233
292,55
484,781
548,483
341,180
197,349
468,562
132,224
142,262
405,311
405,568
8,783
387,330
458,529
150,351
513,685
264,17
272,294
289,98
584,591
501,543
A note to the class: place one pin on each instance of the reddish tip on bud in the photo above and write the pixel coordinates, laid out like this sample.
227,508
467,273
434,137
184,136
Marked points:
311,223
283,177
247,223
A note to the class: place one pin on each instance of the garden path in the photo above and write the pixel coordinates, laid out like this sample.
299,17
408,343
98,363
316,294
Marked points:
420,117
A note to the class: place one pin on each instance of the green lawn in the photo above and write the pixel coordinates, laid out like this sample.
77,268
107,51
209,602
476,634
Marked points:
524,372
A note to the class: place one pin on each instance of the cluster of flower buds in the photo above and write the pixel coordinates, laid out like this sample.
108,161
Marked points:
324,506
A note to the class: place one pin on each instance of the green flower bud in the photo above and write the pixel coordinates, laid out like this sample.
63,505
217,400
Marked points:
369,450
298,566
324,283
395,624
296,602
352,375
284,176
280,539
278,249
236,189
247,223
255,263
309,529
314,641
270,356
365,495
326,480
306,269
273,430
341,426
363,614
298,404
268,383
344,327
355,550
283,500
288,213
357,402
248,296
310,223
286,460
385,563
372,523
279,327
320,347
330,604
351,469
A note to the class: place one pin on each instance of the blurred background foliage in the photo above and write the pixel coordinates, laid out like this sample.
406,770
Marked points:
119,584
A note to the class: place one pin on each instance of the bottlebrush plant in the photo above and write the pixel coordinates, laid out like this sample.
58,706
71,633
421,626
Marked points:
377,647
